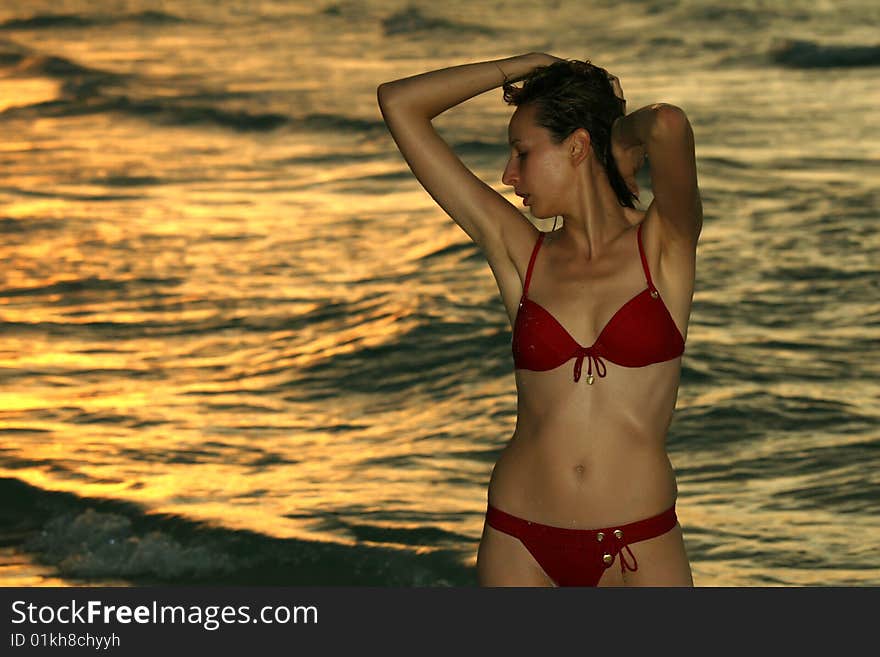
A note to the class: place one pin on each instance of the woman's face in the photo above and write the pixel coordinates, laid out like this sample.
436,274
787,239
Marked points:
538,169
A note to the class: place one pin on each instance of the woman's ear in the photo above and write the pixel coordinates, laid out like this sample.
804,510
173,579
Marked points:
579,146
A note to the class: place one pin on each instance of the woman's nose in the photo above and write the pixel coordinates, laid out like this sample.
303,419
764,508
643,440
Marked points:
508,177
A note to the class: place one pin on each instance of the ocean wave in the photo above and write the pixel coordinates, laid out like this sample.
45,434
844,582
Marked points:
10,226
807,54
411,21
35,193
846,491
338,123
753,416
478,147
173,111
98,539
119,180
88,284
162,111
87,90
18,63
392,367
331,158
835,276
50,21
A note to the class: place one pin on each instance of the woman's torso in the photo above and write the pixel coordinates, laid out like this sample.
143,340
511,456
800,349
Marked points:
593,455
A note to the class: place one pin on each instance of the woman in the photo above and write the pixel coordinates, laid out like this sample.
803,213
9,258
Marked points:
599,310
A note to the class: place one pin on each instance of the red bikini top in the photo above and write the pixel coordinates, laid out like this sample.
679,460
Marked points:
640,333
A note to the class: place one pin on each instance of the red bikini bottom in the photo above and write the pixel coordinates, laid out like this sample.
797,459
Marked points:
579,557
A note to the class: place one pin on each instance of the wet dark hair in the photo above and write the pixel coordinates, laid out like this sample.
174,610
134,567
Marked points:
572,94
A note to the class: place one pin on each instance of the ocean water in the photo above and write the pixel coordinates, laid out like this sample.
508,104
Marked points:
240,344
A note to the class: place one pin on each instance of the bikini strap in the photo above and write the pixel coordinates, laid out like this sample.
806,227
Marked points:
644,259
532,263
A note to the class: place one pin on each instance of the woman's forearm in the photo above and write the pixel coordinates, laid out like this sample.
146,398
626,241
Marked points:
434,92
646,132
646,125
635,129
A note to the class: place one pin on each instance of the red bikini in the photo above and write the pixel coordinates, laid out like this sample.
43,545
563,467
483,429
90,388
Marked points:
579,557
640,333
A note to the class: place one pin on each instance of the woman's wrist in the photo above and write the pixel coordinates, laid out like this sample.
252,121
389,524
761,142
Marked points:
545,59
514,69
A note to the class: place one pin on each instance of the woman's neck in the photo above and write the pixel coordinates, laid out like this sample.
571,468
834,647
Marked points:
597,219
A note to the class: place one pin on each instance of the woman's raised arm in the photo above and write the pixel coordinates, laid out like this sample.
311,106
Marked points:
663,133
434,92
409,104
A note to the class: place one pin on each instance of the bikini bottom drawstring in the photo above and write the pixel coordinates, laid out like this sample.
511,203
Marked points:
619,547
624,565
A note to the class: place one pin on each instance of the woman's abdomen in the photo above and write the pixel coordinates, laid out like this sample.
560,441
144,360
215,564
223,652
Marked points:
588,479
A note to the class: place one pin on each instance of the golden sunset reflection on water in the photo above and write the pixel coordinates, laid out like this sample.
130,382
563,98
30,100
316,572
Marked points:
226,297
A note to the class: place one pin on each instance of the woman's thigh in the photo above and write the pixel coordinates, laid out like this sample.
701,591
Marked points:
502,560
662,561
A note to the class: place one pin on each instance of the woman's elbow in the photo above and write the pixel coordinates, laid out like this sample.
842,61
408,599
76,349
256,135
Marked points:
670,120
385,94
381,92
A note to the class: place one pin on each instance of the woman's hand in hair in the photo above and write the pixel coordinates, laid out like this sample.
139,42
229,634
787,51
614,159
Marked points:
618,90
547,59
629,156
